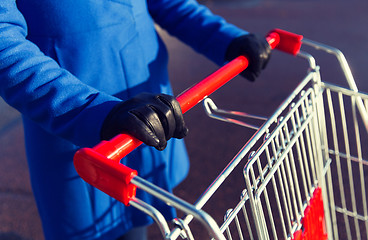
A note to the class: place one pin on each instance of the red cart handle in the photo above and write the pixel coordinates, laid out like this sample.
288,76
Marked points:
100,166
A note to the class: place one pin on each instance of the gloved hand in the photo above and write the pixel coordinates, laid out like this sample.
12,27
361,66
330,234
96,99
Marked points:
255,48
152,119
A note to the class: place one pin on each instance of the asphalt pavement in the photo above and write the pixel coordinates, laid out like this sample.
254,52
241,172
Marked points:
211,144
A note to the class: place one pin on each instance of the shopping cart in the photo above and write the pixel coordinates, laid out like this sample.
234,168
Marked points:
304,168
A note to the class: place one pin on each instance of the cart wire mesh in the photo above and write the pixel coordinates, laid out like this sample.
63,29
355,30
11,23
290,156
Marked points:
312,159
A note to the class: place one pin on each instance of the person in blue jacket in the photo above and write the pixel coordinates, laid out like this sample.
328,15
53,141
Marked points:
76,70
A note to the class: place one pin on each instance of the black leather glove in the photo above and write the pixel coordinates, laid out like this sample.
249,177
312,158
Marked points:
153,119
255,48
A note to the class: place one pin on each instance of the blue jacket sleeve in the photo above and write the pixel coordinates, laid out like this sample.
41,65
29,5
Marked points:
36,86
195,25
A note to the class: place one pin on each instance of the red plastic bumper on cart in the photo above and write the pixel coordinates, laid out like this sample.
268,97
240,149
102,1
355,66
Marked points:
314,220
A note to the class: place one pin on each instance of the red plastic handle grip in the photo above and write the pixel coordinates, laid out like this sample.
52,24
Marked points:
100,166
288,42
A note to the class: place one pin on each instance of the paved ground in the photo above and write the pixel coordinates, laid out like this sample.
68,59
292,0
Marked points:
339,23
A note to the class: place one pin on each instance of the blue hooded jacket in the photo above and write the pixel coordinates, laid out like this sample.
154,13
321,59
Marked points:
64,64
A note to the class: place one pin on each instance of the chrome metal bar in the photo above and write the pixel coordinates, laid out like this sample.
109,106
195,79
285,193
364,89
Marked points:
302,156
270,215
247,222
310,138
286,200
180,204
228,233
186,229
238,227
345,91
232,213
356,159
212,111
283,225
309,58
340,57
349,168
295,181
285,143
360,162
320,150
153,213
347,73
337,158
351,214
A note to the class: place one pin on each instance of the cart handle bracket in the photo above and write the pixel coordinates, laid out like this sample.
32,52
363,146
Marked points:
288,42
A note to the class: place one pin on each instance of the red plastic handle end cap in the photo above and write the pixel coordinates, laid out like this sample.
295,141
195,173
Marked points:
289,42
113,178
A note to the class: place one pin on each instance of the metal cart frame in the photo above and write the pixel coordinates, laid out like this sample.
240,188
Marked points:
295,171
